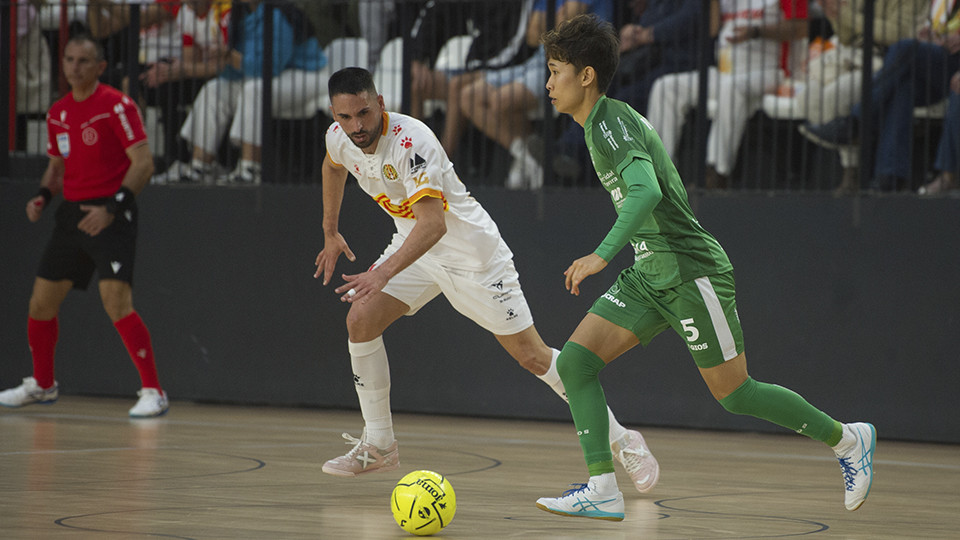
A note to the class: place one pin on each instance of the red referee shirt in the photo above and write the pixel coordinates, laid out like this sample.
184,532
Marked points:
92,137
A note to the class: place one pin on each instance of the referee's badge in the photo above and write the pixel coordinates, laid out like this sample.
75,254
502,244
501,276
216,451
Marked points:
390,172
63,144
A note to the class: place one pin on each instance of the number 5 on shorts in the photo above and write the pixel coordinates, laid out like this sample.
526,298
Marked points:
689,328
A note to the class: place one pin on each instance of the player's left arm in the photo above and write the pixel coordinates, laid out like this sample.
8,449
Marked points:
99,217
429,229
643,195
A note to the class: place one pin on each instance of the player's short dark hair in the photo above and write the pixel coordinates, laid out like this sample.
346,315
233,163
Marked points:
585,40
84,37
351,80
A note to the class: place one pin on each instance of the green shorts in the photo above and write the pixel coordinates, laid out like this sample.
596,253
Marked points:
702,311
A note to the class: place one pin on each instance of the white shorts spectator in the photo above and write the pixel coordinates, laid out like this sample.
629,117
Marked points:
235,104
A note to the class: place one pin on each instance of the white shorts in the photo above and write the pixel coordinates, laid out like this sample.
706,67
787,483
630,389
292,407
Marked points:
492,297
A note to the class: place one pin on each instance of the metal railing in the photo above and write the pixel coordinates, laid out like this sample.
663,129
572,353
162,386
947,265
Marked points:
417,50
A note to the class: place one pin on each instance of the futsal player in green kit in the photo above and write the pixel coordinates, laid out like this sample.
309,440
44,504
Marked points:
681,279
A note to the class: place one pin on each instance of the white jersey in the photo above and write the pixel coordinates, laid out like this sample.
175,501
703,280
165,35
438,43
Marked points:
410,164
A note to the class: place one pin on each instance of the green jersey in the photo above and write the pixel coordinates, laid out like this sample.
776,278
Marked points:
654,215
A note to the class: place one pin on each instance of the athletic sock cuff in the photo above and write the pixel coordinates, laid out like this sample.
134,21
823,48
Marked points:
600,467
588,359
366,348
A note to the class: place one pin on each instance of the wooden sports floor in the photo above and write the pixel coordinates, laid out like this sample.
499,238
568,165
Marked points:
81,469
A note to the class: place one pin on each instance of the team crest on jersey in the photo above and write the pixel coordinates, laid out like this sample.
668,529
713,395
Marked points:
89,136
390,172
63,144
417,163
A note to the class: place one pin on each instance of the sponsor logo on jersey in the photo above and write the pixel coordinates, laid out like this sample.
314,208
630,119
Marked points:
417,163
63,144
608,178
699,347
608,135
115,266
390,172
124,123
89,136
641,251
511,314
623,127
498,285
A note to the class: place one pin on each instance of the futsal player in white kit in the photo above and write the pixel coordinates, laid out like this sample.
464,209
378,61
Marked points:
445,243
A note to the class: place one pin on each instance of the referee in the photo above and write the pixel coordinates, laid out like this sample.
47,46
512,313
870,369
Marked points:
99,160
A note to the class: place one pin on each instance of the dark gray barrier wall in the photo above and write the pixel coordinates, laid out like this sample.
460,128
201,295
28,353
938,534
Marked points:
854,304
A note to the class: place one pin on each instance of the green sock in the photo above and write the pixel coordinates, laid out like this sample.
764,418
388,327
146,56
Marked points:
783,407
579,370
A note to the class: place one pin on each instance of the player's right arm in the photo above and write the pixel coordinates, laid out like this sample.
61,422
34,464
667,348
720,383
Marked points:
334,181
50,184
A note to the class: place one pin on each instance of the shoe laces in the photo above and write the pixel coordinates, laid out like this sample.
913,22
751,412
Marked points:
357,443
849,473
632,458
577,488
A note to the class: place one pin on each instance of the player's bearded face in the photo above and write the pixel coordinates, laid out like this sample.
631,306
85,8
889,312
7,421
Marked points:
360,116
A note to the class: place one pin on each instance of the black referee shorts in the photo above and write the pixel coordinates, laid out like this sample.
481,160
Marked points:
73,254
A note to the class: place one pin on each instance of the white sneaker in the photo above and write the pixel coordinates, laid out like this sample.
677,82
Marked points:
584,501
171,175
29,392
525,172
363,458
152,403
856,462
632,452
248,175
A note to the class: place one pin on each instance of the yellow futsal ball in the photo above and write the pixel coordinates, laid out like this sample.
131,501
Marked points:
423,503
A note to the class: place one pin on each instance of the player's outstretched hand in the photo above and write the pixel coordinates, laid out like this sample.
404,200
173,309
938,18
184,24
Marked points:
35,208
359,286
96,220
333,246
580,269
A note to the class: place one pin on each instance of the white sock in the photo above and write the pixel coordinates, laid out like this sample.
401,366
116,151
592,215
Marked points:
518,148
552,378
371,376
604,484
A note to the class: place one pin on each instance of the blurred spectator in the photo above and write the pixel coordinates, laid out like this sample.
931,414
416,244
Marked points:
160,38
948,152
916,72
753,56
499,102
498,40
834,77
174,82
663,39
232,101
34,72
376,18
